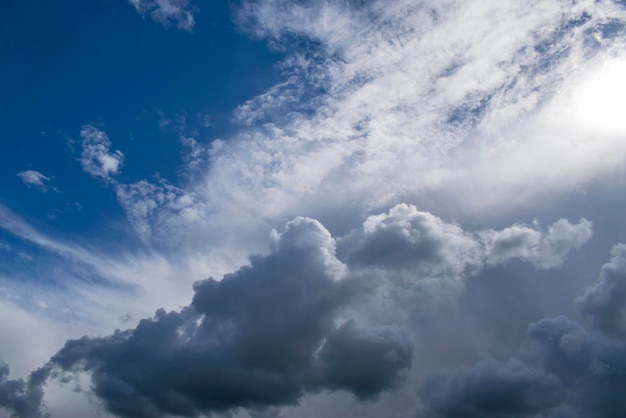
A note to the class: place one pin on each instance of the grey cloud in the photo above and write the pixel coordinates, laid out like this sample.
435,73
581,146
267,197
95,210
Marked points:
23,399
416,248
522,242
562,370
365,361
34,178
490,389
96,157
565,371
161,208
406,238
605,302
263,336
178,13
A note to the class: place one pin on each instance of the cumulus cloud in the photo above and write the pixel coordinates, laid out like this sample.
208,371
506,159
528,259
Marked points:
605,302
566,372
177,13
491,388
282,327
262,336
563,370
528,244
22,398
34,178
419,251
398,98
96,157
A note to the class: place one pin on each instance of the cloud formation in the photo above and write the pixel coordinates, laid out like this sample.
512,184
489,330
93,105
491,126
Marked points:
280,328
23,398
96,157
177,13
34,178
262,336
564,370
605,302
431,259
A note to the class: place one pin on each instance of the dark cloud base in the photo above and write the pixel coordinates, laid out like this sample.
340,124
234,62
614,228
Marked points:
280,328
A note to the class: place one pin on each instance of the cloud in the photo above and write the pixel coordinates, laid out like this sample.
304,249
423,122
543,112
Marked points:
34,178
431,259
604,303
491,388
566,372
437,104
281,327
161,208
563,370
22,398
96,157
527,244
177,13
262,336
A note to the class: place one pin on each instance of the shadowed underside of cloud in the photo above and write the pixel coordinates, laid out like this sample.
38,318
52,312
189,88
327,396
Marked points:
263,336
278,329
563,371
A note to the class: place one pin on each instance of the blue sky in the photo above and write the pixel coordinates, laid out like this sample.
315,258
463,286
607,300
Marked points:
290,208
65,67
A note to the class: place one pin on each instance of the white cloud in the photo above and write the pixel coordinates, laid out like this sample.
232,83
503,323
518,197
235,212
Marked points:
160,209
96,157
421,99
436,104
178,13
34,178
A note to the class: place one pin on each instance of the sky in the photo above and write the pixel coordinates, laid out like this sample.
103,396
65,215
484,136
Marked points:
294,208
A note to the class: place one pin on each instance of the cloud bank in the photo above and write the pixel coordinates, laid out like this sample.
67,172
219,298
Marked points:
278,329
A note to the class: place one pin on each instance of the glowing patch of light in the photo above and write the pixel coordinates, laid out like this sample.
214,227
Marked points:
600,101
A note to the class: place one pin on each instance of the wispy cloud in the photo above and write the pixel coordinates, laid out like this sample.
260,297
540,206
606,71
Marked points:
177,13
34,178
96,157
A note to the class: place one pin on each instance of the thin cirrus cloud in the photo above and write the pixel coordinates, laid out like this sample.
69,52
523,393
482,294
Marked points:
407,101
177,13
96,157
33,178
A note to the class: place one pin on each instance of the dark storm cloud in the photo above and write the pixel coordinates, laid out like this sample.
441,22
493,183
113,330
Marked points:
262,336
22,398
563,370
